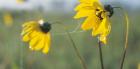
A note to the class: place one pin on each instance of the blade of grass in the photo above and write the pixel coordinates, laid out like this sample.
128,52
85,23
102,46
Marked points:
82,61
126,36
77,52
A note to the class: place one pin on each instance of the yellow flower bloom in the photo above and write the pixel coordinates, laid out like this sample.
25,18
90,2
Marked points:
20,1
37,34
8,19
97,18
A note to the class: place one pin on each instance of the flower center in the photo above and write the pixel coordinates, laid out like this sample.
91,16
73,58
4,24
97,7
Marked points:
45,27
109,9
99,14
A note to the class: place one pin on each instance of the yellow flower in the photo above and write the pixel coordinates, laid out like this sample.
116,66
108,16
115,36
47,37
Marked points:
37,34
97,18
8,19
20,1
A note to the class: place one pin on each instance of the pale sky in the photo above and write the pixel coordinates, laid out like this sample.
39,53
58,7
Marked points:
46,3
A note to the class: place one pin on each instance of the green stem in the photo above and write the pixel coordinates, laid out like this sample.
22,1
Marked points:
77,52
82,61
101,55
126,38
123,58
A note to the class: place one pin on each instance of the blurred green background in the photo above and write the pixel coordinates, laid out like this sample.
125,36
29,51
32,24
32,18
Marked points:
15,54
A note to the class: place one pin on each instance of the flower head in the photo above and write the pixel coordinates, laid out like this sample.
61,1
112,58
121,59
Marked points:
97,18
37,33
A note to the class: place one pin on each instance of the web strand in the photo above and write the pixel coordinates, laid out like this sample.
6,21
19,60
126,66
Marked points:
75,31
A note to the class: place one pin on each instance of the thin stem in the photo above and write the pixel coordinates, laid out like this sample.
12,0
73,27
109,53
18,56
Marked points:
101,55
82,61
77,52
126,37
123,58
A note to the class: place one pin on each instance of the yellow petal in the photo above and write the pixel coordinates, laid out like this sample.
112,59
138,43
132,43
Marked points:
103,30
49,38
46,49
40,43
26,24
90,23
34,41
83,13
31,24
103,39
98,5
34,34
47,44
26,37
29,35
83,5
26,30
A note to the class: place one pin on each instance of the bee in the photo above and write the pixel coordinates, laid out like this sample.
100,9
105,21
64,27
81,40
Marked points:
109,9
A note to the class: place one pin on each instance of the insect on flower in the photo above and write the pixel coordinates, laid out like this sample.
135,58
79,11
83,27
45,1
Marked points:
97,18
37,33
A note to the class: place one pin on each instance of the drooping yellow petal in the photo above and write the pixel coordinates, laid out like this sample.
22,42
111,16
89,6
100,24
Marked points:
45,49
40,43
98,6
26,30
83,6
34,41
103,30
91,22
47,44
103,39
34,34
88,24
29,24
49,38
83,13
26,37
